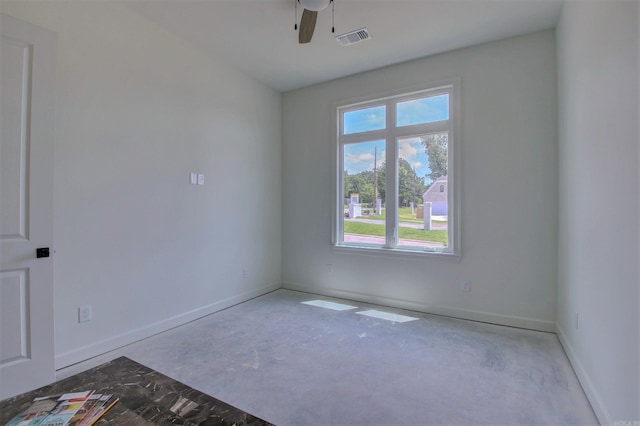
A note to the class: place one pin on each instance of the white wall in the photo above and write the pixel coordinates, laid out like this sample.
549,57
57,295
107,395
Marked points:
598,248
137,109
508,181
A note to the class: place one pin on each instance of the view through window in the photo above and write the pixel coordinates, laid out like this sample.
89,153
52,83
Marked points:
394,170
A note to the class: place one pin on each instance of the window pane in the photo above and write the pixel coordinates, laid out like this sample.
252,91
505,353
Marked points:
422,191
424,110
364,193
365,120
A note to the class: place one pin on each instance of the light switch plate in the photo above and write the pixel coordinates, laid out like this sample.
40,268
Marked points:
85,313
193,178
200,179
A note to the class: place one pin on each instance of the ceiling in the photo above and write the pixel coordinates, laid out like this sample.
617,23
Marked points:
258,36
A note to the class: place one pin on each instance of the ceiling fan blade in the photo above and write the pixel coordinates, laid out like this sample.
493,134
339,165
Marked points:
307,25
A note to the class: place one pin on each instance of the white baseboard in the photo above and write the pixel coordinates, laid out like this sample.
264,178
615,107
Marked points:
103,346
599,408
511,321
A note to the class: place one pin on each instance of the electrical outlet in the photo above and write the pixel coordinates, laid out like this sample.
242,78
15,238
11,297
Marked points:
466,286
244,274
85,313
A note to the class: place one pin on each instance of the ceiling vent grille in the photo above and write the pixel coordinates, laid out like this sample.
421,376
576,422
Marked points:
353,37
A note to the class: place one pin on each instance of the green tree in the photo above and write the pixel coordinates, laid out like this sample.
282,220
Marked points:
382,193
361,184
410,185
436,147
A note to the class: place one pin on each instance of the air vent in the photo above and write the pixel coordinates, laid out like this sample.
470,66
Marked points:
353,37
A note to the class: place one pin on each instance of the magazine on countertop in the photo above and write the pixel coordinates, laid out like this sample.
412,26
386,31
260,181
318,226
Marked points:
77,409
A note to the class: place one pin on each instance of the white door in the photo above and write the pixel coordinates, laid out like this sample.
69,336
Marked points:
27,65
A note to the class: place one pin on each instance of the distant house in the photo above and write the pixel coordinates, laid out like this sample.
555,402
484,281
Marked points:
437,195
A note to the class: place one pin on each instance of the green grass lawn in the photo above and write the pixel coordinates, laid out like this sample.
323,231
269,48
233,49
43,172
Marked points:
404,215
437,236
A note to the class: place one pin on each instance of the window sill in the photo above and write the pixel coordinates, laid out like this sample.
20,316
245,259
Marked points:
396,252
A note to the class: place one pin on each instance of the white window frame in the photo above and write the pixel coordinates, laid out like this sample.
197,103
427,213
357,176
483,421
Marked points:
391,134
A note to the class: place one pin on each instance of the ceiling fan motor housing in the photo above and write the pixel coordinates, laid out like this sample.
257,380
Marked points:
314,5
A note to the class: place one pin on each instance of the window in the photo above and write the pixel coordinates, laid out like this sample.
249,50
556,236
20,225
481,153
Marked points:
395,173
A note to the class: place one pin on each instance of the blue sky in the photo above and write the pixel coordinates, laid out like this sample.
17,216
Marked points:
360,157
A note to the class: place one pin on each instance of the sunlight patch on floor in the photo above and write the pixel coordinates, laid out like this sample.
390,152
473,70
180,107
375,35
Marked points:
329,305
386,316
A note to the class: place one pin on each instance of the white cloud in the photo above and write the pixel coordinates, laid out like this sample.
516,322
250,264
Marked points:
374,117
411,149
407,150
360,159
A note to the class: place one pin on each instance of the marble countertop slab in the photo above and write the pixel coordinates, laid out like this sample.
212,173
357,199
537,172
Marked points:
146,398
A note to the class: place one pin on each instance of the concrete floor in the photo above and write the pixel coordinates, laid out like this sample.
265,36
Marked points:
295,364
